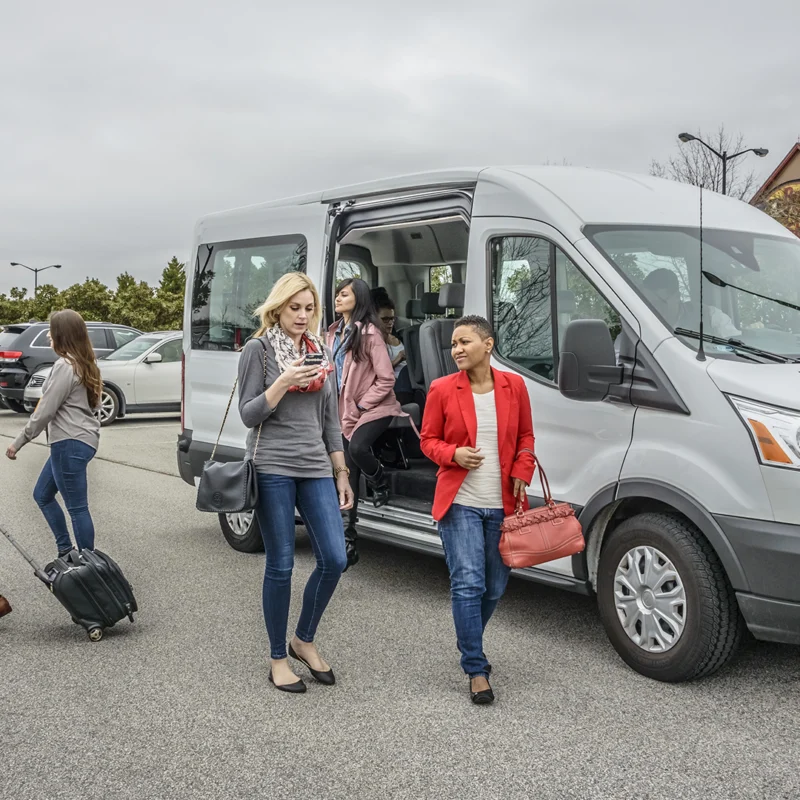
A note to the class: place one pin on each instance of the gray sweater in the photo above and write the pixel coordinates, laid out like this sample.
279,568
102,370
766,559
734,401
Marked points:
64,410
299,434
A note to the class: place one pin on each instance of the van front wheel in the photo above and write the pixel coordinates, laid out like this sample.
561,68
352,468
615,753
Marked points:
241,532
664,599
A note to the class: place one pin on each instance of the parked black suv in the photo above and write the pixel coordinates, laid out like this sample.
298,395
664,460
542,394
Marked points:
25,348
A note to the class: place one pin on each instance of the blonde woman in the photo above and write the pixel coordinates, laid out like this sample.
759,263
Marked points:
300,464
67,410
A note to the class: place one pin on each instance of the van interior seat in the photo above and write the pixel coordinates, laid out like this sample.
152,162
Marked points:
435,335
416,309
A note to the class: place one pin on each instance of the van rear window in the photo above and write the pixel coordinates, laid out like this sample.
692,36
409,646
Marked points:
231,280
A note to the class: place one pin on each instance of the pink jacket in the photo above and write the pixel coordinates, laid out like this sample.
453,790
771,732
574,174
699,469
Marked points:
368,383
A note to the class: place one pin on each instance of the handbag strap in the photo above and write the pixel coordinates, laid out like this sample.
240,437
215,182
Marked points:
548,497
228,408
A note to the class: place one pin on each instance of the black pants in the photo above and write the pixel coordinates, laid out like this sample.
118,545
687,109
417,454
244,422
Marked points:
359,458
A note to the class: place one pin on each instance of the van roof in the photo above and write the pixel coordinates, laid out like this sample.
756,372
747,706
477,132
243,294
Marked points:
568,196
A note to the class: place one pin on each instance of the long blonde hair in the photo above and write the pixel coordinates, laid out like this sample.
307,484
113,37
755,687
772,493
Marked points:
283,291
71,341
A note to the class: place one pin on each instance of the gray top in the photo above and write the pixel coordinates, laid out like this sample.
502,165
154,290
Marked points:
300,432
64,410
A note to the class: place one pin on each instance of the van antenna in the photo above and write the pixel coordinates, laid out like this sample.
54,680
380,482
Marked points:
701,353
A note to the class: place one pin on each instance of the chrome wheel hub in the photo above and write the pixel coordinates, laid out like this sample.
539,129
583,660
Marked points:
240,523
650,599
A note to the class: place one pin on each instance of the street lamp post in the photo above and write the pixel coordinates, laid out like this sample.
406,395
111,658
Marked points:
723,156
35,273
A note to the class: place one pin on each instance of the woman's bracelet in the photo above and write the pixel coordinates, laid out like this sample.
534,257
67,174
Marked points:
341,469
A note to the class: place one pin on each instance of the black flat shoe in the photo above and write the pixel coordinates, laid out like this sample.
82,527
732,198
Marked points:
483,697
350,547
327,678
298,687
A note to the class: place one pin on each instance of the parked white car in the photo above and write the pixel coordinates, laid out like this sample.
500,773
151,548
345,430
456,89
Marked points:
143,376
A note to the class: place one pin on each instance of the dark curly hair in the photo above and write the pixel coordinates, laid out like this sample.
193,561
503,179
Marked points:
480,324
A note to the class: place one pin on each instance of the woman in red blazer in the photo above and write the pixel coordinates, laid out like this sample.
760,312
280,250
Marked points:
478,429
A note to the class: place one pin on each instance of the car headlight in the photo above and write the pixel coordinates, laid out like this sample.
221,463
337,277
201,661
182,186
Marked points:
775,432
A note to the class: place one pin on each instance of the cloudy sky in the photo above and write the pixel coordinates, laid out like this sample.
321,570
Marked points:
121,124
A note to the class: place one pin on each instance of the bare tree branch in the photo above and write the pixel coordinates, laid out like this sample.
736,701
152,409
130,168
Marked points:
696,165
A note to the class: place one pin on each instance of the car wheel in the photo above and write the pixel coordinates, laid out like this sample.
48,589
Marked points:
241,531
109,407
664,599
15,405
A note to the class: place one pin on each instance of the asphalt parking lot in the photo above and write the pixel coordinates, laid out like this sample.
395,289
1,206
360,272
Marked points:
178,705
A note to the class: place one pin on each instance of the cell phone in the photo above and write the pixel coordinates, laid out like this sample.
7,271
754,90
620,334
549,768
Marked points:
313,360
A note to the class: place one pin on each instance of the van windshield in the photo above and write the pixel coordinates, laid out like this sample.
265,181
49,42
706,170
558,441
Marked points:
751,283
231,280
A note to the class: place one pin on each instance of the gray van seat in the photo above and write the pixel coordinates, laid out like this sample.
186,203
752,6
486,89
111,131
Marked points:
410,338
451,295
430,303
414,309
435,336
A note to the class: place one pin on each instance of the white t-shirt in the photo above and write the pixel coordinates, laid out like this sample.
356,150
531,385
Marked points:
483,487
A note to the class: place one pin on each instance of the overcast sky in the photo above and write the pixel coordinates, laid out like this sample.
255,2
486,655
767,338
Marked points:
121,125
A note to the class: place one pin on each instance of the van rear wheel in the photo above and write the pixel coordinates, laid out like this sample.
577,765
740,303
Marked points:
241,532
664,599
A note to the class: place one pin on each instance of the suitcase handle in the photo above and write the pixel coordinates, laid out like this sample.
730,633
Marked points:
37,570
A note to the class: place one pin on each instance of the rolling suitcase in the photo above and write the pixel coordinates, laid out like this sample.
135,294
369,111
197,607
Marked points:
89,584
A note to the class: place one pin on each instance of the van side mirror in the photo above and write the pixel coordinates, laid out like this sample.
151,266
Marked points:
152,358
587,366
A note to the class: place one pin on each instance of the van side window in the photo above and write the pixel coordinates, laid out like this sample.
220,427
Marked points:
521,303
231,280
537,292
347,269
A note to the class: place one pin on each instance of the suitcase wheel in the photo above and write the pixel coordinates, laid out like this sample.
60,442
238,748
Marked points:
95,634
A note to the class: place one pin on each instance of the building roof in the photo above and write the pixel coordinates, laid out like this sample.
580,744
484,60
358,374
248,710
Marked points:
793,151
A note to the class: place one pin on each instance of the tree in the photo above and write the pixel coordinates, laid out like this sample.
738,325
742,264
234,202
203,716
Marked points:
134,304
696,165
169,296
783,205
48,299
91,299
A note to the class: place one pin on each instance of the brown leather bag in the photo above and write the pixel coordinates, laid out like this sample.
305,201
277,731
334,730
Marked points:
540,534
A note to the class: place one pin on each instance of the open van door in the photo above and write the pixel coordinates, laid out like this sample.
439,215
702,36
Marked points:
531,283
238,257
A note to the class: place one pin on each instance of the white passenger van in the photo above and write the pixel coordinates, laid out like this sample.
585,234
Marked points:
682,462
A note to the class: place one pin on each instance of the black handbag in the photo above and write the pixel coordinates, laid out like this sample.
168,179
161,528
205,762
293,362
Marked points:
229,487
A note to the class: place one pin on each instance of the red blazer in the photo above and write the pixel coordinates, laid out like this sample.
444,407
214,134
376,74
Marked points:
450,422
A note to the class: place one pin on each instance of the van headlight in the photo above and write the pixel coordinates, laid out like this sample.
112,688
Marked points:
775,432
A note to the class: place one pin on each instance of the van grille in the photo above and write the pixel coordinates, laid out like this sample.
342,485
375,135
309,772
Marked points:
37,380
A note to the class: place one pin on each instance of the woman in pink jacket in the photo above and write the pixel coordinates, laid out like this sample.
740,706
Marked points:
367,404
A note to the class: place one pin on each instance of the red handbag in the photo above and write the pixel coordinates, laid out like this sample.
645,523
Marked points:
540,534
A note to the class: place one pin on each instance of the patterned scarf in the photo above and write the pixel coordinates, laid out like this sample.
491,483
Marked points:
286,353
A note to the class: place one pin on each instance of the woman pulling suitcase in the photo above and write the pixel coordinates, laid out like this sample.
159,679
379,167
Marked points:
67,410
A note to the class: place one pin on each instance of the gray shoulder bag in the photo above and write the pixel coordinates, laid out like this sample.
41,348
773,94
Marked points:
230,487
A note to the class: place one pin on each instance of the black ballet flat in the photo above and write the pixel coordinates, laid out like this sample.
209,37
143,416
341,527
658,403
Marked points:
483,697
298,687
327,678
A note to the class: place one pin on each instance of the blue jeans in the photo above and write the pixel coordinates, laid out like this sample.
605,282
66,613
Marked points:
65,472
318,503
478,577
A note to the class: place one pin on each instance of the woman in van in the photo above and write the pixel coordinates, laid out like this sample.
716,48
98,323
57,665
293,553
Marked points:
385,309
70,396
300,464
367,404
478,429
